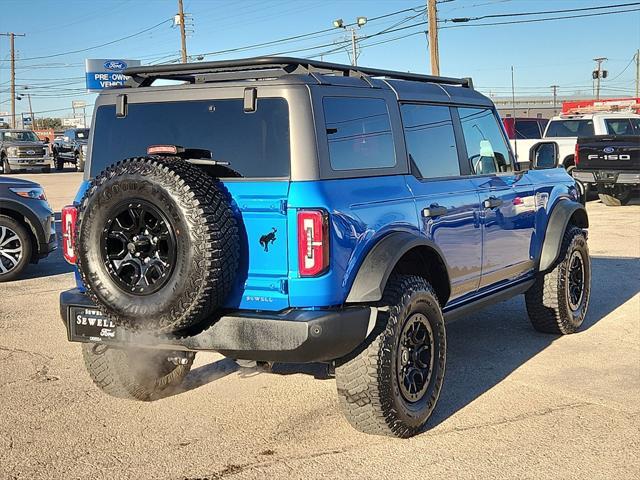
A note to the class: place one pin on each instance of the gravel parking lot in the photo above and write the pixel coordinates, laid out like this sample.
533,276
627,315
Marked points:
516,403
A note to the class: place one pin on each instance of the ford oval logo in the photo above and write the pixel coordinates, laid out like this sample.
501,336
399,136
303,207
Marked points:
608,149
115,65
30,152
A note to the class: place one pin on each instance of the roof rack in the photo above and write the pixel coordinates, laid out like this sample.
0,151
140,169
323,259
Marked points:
270,67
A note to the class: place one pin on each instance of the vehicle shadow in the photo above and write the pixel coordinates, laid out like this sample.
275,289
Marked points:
53,264
485,348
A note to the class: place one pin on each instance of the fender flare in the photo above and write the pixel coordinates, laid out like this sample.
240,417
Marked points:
376,268
556,226
31,221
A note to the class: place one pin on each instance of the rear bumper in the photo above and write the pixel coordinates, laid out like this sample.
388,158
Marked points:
607,177
296,336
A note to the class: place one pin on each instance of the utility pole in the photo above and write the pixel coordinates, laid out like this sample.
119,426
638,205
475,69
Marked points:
555,97
638,73
12,36
434,54
183,36
598,74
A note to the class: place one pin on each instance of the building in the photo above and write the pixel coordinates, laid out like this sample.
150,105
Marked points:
535,106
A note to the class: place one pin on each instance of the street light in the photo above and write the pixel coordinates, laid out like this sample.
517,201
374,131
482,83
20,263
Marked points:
360,22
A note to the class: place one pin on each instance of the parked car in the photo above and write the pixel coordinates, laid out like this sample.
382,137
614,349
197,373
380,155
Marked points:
523,133
286,210
71,148
612,163
566,129
23,150
27,226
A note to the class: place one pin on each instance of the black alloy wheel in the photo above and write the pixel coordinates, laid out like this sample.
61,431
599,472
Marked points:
575,284
414,363
138,247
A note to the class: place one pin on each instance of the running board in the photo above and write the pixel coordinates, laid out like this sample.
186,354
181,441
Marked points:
490,299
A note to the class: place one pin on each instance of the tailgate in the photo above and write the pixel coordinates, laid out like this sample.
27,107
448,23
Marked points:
609,152
261,283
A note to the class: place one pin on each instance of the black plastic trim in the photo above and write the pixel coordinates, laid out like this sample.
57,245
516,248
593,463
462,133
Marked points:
374,272
299,336
556,226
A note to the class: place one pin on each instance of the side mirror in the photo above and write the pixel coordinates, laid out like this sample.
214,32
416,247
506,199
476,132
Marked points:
543,155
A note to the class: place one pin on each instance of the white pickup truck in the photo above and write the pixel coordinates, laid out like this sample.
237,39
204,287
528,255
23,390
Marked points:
565,130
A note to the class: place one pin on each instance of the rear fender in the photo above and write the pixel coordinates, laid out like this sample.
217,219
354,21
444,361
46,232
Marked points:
371,279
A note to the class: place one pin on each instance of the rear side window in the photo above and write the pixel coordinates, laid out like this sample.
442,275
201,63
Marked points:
486,146
526,129
570,128
359,133
255,144
430,139
622,126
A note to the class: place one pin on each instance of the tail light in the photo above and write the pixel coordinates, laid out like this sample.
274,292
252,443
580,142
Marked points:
576,155
69,217
313,242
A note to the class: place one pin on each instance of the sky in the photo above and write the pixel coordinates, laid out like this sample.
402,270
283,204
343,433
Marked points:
544,53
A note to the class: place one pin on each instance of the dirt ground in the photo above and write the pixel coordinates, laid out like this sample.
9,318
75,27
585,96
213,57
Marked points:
515,404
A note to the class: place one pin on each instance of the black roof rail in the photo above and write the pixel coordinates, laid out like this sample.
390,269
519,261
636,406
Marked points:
269,67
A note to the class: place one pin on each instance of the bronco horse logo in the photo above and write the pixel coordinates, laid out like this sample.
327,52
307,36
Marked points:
270,237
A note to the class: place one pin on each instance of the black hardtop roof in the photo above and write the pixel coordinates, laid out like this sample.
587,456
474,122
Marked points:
407,86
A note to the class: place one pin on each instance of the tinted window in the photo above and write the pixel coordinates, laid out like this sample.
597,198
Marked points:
570,128
255,144
622,126
635,122
359,133
486,146
527,129
82,134
431,143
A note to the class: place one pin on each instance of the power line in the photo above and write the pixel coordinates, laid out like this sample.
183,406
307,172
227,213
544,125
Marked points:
98,46
544,12
536,20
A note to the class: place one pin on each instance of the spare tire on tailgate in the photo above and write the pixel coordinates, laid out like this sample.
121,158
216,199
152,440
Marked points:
157,243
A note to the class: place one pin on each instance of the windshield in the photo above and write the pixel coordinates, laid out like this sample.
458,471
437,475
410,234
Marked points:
255,144
82,134
20,136
570,128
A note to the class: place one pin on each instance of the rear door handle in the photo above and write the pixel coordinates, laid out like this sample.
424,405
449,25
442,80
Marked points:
492,202
434,210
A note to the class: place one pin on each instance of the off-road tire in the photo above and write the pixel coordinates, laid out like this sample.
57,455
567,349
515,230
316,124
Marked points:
615,200
25,241
6,168
142,374
547,301
79,163
368,384
206,237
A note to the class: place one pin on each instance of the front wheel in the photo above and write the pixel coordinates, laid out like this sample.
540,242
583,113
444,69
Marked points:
392,386
15,248
558,300
6,168
615,200
134,374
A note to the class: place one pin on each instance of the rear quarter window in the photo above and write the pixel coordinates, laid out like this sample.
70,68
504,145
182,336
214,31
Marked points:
255,144
358,133
570,128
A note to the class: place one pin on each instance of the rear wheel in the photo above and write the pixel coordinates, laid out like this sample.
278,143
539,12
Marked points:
135,374
558,300
15,248
59,163
392,386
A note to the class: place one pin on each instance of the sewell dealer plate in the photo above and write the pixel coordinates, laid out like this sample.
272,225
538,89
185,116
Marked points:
90,325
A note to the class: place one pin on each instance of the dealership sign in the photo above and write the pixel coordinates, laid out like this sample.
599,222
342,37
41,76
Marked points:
104,73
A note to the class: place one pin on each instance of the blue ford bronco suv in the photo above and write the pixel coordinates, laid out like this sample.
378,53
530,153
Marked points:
285,210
